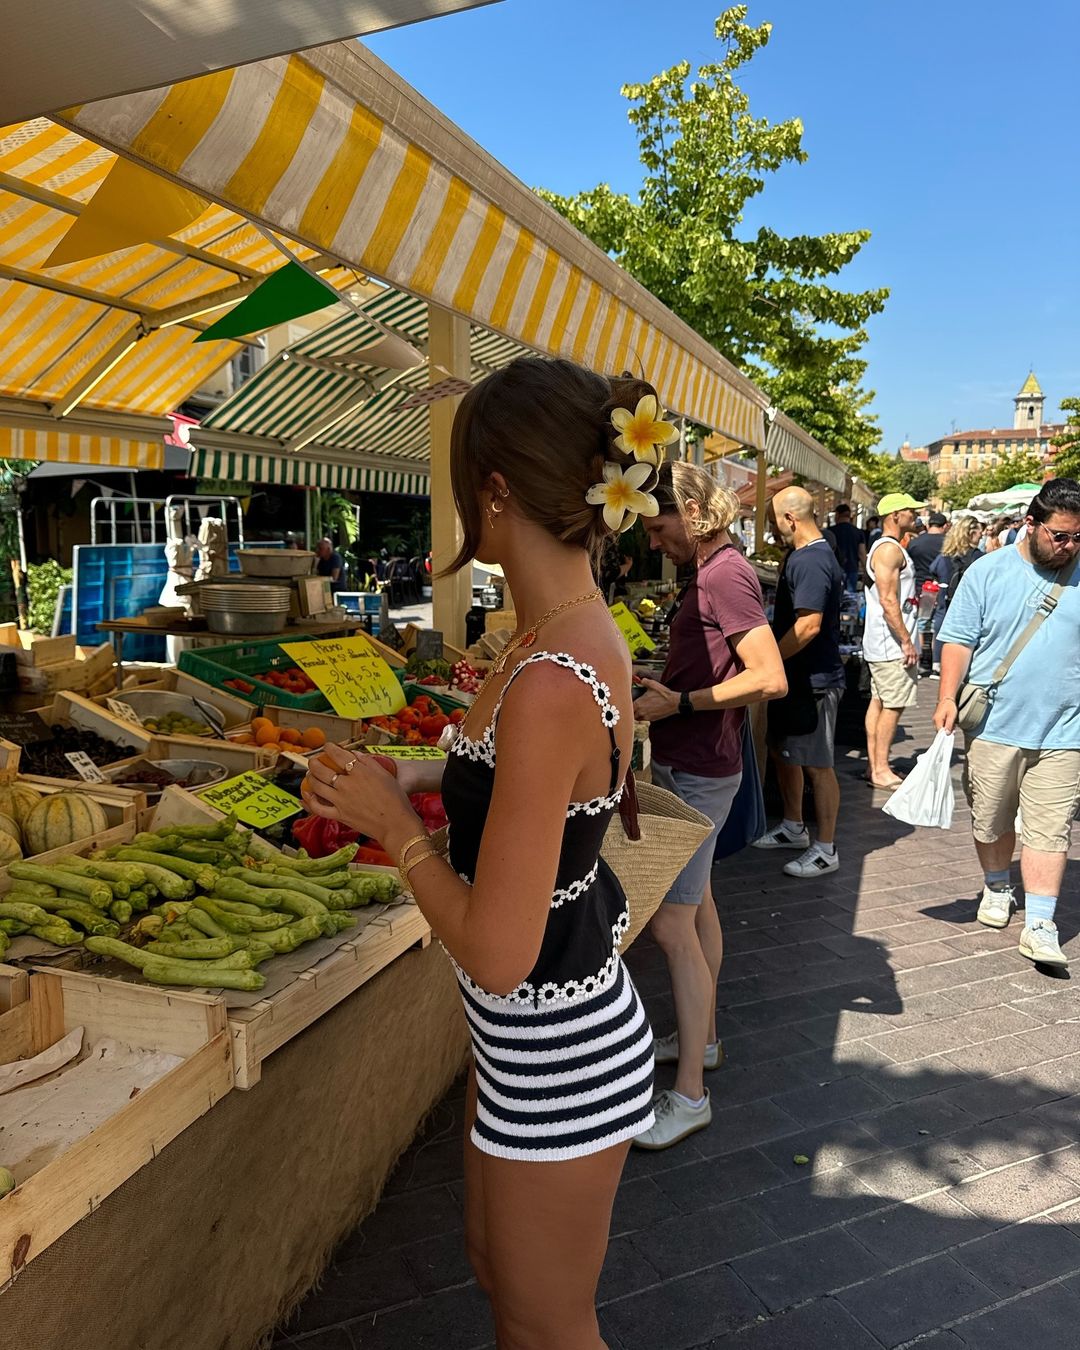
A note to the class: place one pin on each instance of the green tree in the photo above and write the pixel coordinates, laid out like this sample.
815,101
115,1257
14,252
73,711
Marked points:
763,299
1011,469
12,473
1067,443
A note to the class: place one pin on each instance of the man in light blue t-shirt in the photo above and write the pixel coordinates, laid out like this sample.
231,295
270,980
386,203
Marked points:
1026,754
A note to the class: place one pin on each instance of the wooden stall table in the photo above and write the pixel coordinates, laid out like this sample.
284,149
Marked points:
121,628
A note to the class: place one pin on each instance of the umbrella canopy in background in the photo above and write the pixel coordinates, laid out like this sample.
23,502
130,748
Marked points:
1017,497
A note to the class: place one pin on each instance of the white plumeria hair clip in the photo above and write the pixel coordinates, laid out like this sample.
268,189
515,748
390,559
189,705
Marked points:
643,433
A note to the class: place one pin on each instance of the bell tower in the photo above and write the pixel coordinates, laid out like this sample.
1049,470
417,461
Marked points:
1029,404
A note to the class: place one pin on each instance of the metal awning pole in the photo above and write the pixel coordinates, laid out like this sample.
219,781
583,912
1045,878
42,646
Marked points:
448,354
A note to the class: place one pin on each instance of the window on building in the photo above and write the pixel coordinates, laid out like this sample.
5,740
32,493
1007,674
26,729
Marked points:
245,363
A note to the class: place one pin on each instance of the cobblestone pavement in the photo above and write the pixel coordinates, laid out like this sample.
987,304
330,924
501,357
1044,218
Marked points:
926,1073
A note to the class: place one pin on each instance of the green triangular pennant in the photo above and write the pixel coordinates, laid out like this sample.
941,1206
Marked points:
285,294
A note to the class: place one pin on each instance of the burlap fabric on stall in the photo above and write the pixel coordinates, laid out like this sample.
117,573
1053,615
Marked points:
209,1245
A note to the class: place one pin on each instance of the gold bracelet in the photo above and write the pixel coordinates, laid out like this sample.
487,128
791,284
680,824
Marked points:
424,838
414,862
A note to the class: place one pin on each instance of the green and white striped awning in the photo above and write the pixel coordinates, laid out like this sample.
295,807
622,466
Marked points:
242,467
322,396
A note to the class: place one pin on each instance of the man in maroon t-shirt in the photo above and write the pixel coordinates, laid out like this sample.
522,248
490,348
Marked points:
722,657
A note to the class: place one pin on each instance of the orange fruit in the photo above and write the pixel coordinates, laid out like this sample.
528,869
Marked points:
267,735
314,738
289,735
260,723
242,740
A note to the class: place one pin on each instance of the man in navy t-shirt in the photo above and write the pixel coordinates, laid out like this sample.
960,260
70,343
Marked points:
850,544
802,727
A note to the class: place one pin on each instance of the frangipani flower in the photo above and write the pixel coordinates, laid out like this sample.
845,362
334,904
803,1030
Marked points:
643,431
621,497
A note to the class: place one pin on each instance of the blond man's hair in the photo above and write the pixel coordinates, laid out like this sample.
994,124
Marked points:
682,483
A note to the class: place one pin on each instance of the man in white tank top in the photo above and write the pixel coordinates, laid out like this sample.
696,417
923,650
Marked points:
892,615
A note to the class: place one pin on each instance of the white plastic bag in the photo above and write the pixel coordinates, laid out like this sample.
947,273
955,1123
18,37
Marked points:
926,795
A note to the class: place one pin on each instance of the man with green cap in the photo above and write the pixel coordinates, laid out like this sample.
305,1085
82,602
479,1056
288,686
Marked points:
892,615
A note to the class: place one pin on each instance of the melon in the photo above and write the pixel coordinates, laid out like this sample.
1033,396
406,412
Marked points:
17,800
9,850
62,819
9,826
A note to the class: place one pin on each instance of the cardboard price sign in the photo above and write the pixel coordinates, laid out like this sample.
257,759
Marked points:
406,751
123,710
627,623
253,800
84,766
352,675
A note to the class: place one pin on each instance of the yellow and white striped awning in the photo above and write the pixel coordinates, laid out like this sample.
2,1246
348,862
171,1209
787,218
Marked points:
116,332
792,448
108,445
335,150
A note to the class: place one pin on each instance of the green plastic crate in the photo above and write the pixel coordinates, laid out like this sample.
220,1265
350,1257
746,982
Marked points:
215,665
447,702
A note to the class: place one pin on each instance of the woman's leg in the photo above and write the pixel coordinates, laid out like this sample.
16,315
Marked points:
546,1226
674,929
475,1234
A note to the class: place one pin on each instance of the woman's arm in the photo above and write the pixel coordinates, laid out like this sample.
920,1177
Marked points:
493,928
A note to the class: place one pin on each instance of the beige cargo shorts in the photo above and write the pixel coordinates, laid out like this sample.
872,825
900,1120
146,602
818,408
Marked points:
1043,785
896,685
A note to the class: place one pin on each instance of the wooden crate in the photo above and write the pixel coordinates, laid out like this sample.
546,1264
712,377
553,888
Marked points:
9,761
122,805
268,1025
128,813
86,670
72,709
34,649
52,1199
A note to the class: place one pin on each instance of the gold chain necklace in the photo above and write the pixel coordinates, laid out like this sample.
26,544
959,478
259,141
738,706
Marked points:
528,637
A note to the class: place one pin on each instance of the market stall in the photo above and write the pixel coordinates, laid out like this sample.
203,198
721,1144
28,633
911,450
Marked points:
302,1073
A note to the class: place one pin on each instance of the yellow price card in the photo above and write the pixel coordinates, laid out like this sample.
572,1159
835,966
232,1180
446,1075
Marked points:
352,675
252,799
406,751
627,623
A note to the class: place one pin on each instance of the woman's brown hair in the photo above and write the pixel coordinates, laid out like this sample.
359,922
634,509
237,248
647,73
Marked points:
546,427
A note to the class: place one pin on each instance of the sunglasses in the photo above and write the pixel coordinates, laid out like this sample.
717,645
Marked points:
1062,537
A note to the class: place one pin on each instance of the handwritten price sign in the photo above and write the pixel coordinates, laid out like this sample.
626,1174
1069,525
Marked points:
407,751
251,799
636,637
352,675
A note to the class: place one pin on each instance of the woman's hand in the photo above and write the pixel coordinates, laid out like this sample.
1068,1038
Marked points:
658,703
356,790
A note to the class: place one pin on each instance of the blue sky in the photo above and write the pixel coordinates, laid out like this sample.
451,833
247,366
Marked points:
947,129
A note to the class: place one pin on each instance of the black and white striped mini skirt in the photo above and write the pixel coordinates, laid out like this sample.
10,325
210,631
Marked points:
559,1081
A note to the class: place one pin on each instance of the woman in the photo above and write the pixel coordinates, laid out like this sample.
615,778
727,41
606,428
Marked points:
562,1078
958,552
995,536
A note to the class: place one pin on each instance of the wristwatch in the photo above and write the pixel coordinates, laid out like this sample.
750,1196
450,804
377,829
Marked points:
685,706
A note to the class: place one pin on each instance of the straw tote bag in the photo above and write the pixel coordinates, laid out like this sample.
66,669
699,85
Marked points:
647,844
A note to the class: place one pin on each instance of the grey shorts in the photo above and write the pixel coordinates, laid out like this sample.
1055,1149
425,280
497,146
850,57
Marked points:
713,798
815,750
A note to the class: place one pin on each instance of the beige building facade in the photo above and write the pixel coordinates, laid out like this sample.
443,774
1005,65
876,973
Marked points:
964,452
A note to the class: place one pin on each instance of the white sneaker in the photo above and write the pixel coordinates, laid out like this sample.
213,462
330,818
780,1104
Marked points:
666,1050
779,837
675,1120
996,907
1039,942
815,862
